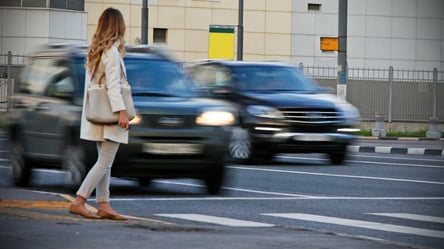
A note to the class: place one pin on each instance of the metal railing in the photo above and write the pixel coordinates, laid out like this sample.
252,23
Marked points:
398,95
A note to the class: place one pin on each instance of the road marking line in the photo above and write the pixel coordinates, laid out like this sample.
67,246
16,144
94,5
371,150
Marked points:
217,220
336,175
398,157
361,224
279,198
369,162
417,217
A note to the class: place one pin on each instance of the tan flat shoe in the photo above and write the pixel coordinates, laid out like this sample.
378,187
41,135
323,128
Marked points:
74,209
106,215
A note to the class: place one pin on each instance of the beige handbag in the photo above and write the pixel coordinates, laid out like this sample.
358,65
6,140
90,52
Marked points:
97,105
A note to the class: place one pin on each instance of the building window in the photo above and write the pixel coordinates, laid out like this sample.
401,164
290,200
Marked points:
314,6
55,4
159,35
67,4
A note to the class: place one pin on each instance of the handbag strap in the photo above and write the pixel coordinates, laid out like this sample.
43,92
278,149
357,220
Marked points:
122,72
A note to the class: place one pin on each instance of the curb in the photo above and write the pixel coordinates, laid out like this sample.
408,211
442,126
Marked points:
395,150
399,138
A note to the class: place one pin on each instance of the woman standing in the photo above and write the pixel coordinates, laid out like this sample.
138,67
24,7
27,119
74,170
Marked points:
104,64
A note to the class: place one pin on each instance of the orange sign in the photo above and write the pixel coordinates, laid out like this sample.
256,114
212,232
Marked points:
329,43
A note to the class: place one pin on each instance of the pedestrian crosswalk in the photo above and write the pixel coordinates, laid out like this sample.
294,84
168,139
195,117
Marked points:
217,220
357,223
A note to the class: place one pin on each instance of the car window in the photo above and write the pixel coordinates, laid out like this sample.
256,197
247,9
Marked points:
161,77
269,78
211,76
61,85
34,79
42,72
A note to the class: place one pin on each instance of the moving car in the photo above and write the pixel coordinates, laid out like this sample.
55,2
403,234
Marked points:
173,135
281,110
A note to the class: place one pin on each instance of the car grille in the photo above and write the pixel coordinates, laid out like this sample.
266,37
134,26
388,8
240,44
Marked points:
312,116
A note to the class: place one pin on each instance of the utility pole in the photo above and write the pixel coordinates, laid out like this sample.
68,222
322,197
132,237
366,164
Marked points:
240,31
144,38
342,52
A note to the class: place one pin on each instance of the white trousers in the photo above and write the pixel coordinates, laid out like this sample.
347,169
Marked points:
99,176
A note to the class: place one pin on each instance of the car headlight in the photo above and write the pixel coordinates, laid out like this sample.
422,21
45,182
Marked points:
264,111
136,120
216,118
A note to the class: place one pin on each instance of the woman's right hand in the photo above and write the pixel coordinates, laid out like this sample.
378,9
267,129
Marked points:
123,120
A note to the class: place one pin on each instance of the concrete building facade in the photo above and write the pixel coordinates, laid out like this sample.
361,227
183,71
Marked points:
406,34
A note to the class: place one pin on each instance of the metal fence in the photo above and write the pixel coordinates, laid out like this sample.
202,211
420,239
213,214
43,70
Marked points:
9,67
397,95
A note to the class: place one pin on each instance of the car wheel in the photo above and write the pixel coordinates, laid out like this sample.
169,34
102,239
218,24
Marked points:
338,158
74,162
264,155
21,170
145,182
214,179
240,148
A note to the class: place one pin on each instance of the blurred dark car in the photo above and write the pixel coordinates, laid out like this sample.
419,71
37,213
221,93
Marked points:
173,135
281,110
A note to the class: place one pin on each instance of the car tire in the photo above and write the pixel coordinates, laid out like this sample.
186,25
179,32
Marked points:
215,178
75,163
21,169
240,147
264,155
338,157
144,181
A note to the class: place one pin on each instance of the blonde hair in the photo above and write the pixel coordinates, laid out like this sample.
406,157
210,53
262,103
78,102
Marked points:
110,29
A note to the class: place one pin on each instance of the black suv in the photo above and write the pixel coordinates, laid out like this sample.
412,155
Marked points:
281,110
173,135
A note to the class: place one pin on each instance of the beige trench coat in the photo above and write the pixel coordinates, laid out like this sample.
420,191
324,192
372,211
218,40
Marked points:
111,65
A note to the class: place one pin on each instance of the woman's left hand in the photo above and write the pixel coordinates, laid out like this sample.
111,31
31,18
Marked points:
123,120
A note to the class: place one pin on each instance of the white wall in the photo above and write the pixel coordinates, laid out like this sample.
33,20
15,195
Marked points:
23,31
407,34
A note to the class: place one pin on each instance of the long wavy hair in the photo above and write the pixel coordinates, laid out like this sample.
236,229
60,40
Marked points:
110,29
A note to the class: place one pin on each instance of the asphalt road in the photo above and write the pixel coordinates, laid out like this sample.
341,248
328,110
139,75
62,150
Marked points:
298,201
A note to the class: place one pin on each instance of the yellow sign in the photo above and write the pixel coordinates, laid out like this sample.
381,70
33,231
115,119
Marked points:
329,44
221,42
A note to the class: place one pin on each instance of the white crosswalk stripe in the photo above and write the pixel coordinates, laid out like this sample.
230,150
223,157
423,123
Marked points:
217,220
412,217
324,219
361,224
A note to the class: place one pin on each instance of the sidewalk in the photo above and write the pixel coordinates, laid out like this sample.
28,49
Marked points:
402,145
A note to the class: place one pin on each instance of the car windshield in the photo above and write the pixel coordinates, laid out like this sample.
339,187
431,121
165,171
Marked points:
156,78
271,78
148,77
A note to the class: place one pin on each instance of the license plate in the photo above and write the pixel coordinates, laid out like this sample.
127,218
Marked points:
312,137
172,148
